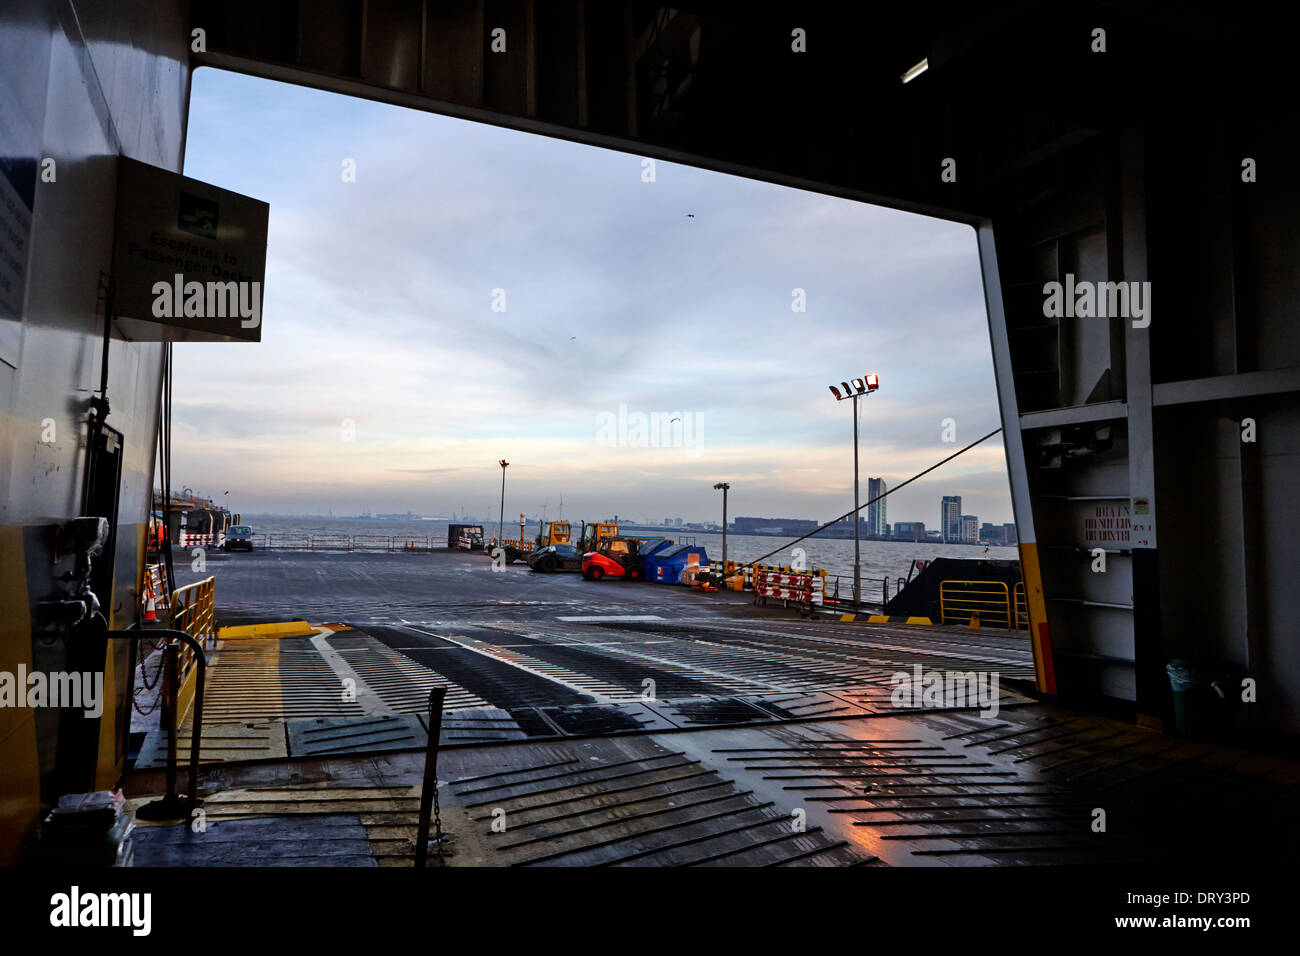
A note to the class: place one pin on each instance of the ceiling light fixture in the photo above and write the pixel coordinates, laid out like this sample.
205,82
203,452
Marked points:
916,71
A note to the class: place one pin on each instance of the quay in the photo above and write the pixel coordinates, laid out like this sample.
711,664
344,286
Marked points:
618,723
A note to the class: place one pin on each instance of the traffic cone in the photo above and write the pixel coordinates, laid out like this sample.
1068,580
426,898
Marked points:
150,617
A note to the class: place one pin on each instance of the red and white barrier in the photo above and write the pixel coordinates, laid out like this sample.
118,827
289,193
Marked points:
202,540
800,587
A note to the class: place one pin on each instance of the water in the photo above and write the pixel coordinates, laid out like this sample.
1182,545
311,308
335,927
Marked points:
880,559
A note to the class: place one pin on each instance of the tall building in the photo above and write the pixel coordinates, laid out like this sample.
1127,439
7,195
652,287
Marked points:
1009,534
876,510
909,531
950,518
749,525
970,529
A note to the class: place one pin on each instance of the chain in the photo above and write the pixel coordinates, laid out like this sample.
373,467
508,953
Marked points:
437,825
144,679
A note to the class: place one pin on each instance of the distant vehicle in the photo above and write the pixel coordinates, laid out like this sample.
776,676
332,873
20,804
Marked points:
595,531
465,537
556,557
558,534
239,537
620,557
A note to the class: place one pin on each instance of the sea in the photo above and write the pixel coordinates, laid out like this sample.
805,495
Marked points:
880,559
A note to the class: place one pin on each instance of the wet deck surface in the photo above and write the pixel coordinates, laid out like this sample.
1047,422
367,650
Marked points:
762,741
931,789
516,638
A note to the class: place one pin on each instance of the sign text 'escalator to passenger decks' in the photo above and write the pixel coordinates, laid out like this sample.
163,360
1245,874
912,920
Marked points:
189,258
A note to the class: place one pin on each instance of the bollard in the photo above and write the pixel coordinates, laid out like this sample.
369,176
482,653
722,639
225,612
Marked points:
171,665
428,792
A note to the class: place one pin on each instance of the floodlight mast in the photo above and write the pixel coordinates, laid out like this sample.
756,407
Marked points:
866,385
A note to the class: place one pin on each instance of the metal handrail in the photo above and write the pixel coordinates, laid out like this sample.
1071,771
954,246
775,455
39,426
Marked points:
193,610
171,801
974,597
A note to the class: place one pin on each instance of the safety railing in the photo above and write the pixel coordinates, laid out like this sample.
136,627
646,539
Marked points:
178,646
193,612
155,581
401,543
839,590
194,609
1019,607
961,601
305,541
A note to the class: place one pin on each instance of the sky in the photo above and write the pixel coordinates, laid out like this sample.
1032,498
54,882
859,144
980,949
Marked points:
478,293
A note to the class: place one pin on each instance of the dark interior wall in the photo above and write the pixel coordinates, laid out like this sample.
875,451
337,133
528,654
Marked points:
83,83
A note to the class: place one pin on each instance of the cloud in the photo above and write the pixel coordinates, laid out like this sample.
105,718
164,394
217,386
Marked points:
378,318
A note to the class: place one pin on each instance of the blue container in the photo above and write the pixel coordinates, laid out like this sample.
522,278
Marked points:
666,566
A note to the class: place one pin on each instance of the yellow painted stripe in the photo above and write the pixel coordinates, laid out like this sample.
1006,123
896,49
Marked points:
278,629
848,617
1044,671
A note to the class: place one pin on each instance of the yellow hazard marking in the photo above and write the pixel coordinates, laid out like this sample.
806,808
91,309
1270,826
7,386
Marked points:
279,629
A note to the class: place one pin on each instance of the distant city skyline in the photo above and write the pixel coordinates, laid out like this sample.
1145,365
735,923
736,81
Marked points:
676,521
915,531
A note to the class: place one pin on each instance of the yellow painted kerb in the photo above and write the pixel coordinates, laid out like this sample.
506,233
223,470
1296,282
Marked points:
278,629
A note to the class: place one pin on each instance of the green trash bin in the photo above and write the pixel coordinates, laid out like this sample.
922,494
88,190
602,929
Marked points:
1182,681
1205,701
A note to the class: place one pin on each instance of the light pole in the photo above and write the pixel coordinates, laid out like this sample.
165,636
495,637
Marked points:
861,386
724,487
501,519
